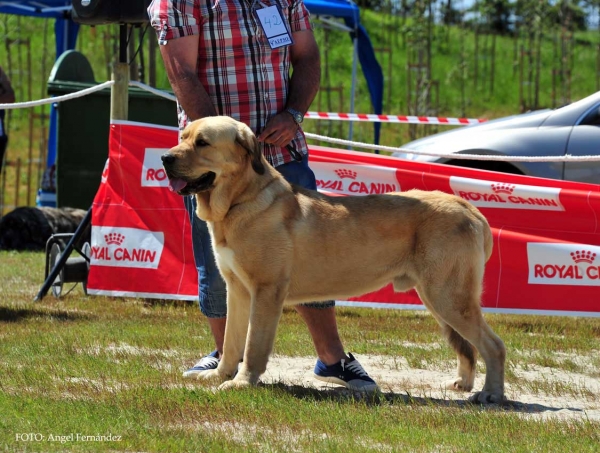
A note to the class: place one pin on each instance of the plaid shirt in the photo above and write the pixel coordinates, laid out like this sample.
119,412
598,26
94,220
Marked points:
243,76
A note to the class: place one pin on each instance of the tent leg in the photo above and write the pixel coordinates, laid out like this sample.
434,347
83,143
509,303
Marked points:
120,74
353,89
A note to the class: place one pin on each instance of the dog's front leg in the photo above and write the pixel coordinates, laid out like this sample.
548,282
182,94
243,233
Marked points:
266,309
236,328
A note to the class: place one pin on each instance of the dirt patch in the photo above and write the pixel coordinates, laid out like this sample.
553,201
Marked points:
538,392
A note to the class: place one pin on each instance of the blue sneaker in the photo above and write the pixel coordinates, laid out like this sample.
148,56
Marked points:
206,363
350,374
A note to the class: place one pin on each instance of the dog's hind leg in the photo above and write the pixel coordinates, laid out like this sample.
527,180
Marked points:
492,350
465,352
466,357
459,308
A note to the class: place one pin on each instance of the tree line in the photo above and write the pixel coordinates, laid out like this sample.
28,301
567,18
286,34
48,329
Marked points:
504,17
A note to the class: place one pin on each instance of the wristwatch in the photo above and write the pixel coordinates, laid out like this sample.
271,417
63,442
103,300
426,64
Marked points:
298,117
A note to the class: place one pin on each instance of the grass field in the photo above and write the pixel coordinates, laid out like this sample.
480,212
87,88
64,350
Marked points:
80,367
86,373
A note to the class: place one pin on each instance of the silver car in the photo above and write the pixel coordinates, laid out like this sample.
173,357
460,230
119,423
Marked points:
572,129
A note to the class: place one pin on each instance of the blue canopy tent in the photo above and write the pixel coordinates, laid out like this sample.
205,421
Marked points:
65,31
349,12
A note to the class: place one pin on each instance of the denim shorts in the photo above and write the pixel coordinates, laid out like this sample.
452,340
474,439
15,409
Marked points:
212,292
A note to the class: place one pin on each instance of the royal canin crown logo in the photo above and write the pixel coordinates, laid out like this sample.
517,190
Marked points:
583,256
126,247
563,264
350,179
503,188
114,238
343,173
498,194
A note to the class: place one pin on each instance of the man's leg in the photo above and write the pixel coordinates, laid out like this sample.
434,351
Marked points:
212,292
334,365
320,316
217,328
322,326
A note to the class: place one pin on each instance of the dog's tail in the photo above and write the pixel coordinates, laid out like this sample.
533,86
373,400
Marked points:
488,238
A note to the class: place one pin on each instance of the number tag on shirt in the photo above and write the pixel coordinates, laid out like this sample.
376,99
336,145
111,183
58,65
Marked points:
274,27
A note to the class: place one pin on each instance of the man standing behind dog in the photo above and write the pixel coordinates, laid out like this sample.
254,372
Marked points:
233,57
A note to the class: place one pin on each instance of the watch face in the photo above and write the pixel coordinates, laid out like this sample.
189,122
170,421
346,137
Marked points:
298,117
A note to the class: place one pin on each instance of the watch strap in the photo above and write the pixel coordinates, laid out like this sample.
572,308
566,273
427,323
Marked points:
298,116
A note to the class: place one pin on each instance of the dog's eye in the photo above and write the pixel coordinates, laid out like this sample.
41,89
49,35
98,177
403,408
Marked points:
200,142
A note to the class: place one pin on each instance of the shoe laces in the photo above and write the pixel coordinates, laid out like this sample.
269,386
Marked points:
207,361
355,367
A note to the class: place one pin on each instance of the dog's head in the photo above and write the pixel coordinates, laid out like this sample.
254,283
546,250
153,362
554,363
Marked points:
210,148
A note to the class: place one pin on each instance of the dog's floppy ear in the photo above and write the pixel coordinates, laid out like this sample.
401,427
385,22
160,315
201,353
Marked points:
248,141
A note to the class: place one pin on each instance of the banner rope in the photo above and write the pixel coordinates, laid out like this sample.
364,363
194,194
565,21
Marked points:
402,119
66,97
346,117
162,94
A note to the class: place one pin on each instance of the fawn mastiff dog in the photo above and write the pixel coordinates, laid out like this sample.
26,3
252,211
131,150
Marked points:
278,244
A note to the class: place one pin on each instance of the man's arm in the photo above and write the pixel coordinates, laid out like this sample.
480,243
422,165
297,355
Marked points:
304,85
306,75
180,57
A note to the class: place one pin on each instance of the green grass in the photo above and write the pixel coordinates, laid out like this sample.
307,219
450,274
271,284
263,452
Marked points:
98,366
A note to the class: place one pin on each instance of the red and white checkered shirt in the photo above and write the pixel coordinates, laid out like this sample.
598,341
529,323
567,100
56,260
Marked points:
244,77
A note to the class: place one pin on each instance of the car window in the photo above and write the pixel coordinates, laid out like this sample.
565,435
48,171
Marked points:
592,118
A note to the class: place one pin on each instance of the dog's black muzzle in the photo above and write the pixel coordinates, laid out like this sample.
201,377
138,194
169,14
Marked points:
182,185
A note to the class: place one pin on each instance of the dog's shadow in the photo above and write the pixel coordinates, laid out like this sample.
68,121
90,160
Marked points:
343,395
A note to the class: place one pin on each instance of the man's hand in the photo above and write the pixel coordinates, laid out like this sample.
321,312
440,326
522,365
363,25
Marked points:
280,130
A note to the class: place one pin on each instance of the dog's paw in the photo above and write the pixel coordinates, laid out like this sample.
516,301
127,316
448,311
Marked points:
484,397
211,375
234,384
458,384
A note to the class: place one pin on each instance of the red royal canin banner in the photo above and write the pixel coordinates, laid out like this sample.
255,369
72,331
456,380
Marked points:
546,256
